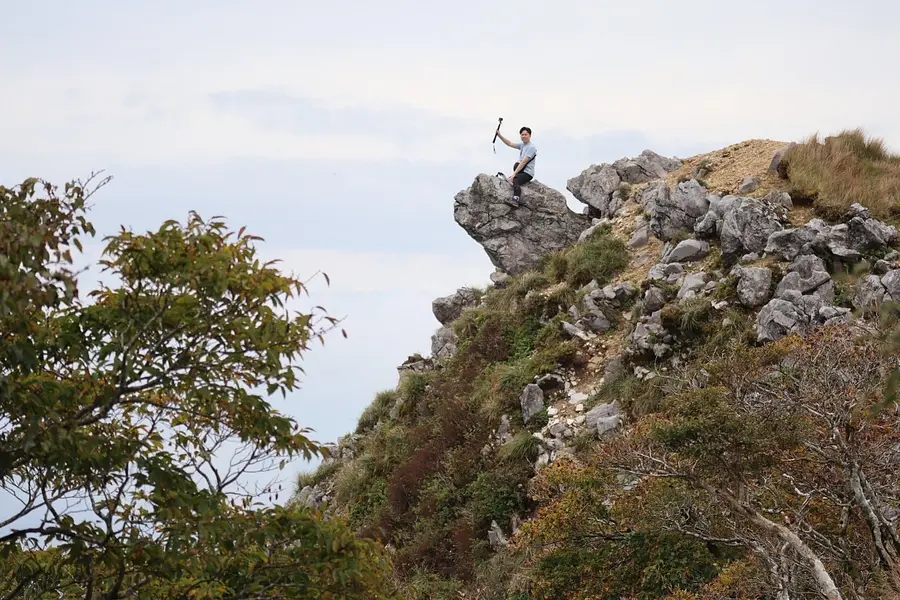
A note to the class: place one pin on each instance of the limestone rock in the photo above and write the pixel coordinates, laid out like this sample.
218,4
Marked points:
805,274
778,166
777,319
652,195
869,294
619,294
710,225
654,299
640,237
447,309
754,286
668,273
747,227
645,167
891,283
693,284
532,401
749,185
443,343
678,211
516,236
844,241
782,198
686,250
595,187
604,418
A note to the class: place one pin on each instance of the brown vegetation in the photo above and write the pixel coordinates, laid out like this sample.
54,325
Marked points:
844,169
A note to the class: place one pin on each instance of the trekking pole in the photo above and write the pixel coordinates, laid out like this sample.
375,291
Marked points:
497,133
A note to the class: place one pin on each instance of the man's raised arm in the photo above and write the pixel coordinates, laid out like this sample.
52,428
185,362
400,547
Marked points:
506,141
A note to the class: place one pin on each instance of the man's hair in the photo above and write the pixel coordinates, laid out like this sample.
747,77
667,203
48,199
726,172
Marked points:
528,129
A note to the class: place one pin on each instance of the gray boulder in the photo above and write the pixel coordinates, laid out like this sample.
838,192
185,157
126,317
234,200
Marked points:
443,343
782,198
754,286
866,233
447,309
654,299
749,185
645,167
677,212
640,237
710,225
686,250
652,195
604,418
778,166
779,318
595,186
619,294
869,294
693,285
891,283
650,336
589,313
805,275
747,227
517,236
844,241
532,401
669,273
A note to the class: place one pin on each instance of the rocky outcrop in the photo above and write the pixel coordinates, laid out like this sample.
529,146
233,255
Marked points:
676,212
532,401
844,241
516,236
802,299
754,285
686,250
746,227
443,343
599,186
647,166
447,309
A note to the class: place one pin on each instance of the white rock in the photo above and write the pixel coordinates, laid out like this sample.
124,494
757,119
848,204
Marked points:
579,408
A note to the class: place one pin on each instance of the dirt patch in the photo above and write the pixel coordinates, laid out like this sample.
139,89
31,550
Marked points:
728,167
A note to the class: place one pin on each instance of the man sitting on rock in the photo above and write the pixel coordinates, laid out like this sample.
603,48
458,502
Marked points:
523,171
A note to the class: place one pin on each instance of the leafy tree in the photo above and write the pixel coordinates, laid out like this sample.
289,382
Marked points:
116,413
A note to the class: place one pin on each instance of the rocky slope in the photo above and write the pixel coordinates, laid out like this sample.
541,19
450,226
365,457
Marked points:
591,316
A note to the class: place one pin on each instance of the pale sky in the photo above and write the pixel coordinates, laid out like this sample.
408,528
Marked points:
341,131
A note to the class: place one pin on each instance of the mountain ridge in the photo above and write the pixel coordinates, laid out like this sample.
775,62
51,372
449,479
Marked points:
604,334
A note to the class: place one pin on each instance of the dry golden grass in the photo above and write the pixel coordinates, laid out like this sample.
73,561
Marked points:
843,169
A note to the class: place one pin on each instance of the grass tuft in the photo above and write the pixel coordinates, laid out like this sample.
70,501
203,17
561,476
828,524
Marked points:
847,168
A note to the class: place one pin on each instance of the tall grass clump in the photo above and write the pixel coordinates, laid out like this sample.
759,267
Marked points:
847,168
598,257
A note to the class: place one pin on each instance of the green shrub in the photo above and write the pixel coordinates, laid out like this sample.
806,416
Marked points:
379,409
599,257
523,447
496,495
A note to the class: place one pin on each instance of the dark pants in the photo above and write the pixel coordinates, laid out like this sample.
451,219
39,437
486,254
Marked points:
519,180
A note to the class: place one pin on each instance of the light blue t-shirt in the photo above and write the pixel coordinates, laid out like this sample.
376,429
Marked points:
530,151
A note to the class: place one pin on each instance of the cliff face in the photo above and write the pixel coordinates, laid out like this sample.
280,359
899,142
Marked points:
673,395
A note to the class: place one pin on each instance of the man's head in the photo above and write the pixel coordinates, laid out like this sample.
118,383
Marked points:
525,134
